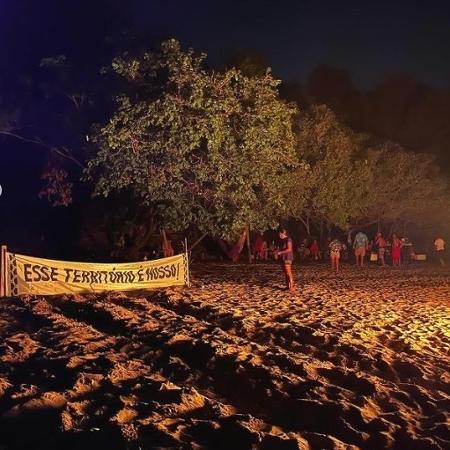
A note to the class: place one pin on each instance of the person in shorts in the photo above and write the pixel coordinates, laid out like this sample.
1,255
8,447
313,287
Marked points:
285,255
336,248
380,242
360,245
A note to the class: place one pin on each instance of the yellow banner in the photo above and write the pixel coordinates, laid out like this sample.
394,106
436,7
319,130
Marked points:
29,275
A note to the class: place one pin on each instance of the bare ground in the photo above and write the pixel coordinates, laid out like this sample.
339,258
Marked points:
357,360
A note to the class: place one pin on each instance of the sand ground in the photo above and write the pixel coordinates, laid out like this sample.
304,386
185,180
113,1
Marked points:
355,360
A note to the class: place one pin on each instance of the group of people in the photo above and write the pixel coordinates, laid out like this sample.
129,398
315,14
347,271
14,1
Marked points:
398,248
361,247
284,252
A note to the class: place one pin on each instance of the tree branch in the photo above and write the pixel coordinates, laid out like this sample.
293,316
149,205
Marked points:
63,151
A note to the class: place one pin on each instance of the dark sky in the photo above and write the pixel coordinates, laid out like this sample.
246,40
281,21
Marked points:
369,38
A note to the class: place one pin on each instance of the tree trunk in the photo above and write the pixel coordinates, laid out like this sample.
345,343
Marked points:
249,249
164,239
306,224
164,235
236,248
391,228
139,242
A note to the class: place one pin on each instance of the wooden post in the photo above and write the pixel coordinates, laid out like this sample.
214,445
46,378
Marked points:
187,262
3,280
321,234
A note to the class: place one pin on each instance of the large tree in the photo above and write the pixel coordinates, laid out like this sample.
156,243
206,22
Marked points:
331,186
199,147
406,187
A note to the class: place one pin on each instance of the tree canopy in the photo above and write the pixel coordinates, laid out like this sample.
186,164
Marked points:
203,147
185,146
221,151
349,180
331,186
406,187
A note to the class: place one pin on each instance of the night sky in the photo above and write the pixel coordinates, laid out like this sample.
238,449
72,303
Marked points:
371,39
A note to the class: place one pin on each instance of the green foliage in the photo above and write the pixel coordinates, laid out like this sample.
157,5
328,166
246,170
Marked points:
58,188
220,151
204,148
345,182
332,185
406,186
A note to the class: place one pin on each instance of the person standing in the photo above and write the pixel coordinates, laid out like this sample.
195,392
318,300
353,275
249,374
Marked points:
264,251
285,255
335,254
396,250
439,247
314,250
380,242
360,245
258,247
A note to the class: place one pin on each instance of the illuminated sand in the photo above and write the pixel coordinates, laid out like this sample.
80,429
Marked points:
358,360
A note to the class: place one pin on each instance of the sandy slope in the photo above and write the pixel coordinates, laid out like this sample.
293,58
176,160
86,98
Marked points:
358,360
